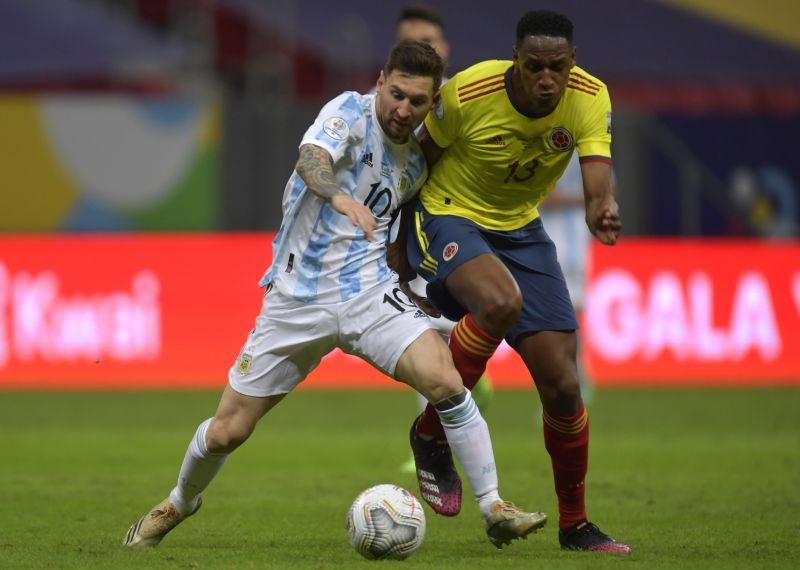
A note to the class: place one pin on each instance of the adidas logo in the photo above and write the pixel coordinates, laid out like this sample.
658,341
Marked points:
367,159
426,474
432,499
496,140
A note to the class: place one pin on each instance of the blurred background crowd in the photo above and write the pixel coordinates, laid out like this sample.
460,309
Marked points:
186,114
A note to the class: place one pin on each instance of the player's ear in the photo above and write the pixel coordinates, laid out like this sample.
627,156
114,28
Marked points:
573,56
381,81
444,50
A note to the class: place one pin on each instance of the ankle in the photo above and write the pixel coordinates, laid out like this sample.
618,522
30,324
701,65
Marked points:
486,502
183,505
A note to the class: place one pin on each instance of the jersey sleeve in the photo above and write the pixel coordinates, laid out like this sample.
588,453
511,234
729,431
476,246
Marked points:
338,126
444,120
595,136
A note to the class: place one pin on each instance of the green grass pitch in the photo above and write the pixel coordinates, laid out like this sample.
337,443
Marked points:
689,478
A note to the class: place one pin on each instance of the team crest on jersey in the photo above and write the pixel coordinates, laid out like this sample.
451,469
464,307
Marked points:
560,139
402,185
336,128
438,107
450,251
245,360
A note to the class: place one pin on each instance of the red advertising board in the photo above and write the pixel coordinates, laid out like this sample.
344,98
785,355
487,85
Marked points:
694,313
126,311
172,311
117,311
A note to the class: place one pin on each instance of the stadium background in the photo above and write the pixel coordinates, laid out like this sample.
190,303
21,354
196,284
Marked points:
144,147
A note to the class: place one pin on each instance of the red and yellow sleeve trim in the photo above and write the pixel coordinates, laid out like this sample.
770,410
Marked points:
595,158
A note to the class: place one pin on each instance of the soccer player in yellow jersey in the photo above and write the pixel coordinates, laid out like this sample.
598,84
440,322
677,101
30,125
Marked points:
498,139
423,23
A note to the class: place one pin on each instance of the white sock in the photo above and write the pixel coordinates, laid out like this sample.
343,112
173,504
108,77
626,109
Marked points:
198,470
468,435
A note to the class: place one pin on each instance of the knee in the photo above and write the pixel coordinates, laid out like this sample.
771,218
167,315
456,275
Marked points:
500,309
561,396
223,436
443,385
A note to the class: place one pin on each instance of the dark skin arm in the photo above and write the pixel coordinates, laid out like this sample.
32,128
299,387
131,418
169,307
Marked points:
556,199
602,211
315,167
396,255
398,261
396,250
433,152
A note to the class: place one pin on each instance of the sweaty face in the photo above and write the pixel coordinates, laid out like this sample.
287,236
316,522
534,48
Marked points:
541,71
425,32
401,102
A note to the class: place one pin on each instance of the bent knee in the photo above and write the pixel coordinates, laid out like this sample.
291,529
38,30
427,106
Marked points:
444,385
561,397
501,307
223,436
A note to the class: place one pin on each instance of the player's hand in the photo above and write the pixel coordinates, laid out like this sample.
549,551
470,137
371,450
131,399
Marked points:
398,261
422,302
605,222
359,214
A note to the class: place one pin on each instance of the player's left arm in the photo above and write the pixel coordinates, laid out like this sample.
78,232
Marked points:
442,124
315,167
602,210
594,148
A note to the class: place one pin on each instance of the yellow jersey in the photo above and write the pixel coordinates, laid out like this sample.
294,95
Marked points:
499,164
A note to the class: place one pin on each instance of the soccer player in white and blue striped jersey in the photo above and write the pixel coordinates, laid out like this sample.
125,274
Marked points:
320,255
329,287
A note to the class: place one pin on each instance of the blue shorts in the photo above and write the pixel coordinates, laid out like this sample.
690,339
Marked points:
439,244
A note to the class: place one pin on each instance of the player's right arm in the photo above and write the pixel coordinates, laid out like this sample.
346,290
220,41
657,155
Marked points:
396,256
315,167
432,151
443,123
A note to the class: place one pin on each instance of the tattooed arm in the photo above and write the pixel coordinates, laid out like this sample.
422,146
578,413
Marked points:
315,167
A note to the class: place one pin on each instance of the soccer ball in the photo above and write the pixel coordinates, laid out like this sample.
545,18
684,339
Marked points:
386,521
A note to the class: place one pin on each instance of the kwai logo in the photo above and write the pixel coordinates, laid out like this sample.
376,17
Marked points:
37,321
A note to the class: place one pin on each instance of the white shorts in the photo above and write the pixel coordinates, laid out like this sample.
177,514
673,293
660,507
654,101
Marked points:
290,338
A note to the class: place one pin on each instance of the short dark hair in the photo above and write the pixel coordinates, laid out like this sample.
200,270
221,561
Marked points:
420,12
544,23
415,58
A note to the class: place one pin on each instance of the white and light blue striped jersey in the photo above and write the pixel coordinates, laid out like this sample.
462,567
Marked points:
319,256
